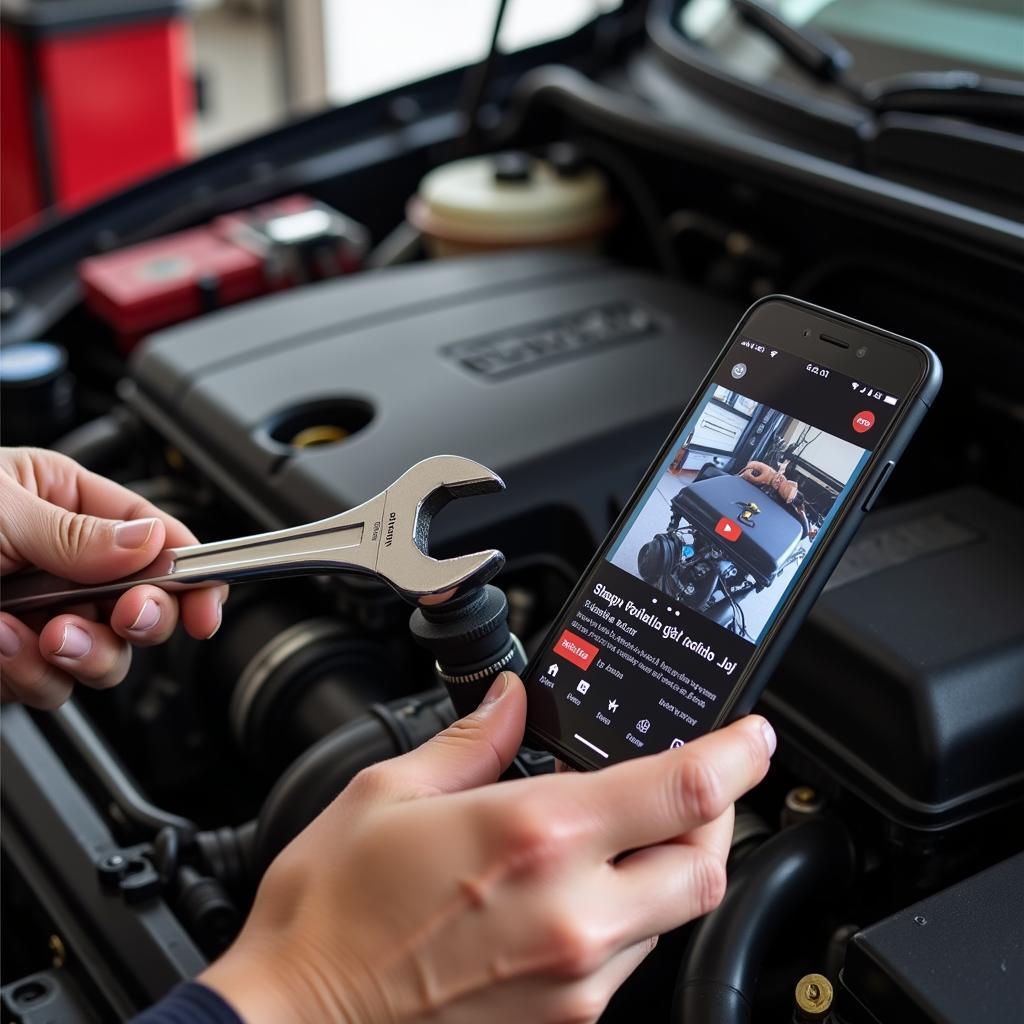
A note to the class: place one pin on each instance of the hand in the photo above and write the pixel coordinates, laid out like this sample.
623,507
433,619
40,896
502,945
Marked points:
759,473
424,893
59,517
785,488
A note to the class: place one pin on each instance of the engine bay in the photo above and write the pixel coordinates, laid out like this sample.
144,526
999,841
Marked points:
138,822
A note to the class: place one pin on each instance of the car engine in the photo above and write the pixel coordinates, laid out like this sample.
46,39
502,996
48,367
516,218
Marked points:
881,858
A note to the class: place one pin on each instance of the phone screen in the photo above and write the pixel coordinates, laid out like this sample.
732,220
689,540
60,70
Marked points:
662,627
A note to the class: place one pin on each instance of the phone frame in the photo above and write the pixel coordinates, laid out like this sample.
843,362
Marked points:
893,363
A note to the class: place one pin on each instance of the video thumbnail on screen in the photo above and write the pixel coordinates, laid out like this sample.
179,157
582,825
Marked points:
726,525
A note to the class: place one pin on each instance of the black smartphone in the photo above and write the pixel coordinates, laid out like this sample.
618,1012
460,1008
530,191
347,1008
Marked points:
679,620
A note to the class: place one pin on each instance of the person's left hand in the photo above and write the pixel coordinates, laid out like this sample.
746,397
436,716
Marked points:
59,517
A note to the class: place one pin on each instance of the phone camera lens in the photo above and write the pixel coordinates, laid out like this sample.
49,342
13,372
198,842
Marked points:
862,352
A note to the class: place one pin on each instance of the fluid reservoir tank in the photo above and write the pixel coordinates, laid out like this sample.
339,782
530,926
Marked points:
513,199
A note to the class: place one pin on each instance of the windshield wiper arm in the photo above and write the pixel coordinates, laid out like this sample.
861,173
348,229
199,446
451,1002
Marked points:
943,93
818,54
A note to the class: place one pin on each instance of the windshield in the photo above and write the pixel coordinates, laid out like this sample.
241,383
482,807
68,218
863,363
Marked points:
885,37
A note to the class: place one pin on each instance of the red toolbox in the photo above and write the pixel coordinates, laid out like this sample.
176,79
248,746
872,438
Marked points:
94,95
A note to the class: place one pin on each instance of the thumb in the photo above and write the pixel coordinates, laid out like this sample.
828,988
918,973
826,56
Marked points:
83,548
476,749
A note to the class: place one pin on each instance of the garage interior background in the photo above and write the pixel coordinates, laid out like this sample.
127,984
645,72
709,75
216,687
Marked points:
224,224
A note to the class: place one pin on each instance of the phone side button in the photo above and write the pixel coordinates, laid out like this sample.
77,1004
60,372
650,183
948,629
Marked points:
879,483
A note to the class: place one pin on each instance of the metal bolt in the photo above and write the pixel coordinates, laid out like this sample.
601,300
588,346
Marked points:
802,802
813,996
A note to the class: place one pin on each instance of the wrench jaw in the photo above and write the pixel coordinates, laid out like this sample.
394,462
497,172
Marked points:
447,578
406,563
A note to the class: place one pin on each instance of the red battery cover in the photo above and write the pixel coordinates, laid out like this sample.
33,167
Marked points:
148,286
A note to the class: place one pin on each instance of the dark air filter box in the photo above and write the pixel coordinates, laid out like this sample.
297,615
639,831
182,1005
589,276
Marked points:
907,680
561,372
954,958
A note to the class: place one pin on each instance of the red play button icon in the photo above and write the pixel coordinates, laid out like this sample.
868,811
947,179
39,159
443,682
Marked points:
728,529
863,421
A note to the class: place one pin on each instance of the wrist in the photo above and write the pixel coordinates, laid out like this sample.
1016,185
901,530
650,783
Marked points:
264,987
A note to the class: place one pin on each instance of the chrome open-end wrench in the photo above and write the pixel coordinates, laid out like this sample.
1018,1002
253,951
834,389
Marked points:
385,537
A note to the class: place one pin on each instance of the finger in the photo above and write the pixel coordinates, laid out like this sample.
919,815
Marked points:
145,616
662,887
471,752
99,496
54,479
76,545
653,799
88,651
587,999
715,836
26,675
201,611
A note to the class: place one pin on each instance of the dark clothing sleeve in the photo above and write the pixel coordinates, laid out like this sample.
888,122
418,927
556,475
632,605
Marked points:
189,1003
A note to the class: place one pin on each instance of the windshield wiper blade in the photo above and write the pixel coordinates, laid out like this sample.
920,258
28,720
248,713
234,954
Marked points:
938,93
949,93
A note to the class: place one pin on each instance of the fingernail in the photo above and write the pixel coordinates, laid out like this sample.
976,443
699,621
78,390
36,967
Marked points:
10,642
133,533
498,687
75,643
769,736
220,619
148,617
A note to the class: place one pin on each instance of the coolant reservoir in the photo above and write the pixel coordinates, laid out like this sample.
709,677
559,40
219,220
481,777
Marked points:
509,200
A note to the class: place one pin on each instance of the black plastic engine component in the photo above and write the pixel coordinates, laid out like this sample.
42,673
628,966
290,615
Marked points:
36,392
440,357
470,640
905,681
295,673
324,770
801,866
954,958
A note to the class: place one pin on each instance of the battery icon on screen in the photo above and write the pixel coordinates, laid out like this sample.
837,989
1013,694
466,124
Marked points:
890,399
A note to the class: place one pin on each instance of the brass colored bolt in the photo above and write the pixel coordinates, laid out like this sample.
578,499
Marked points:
60,954
813,996
802,802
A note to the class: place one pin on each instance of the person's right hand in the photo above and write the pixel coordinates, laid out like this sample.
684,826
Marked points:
759,473
424,893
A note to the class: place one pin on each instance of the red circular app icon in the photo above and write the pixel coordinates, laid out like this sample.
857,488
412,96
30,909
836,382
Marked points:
863,421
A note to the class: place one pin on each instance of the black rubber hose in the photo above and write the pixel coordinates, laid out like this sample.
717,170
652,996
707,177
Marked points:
322,772
133,806
800,865
102,444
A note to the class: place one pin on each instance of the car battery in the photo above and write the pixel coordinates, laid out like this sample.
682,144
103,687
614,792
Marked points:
235,257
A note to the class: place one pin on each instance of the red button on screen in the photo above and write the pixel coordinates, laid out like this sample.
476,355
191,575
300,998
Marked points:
729,529
575,649
863,421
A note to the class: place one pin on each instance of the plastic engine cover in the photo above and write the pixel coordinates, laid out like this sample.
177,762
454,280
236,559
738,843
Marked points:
559,371
907,680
